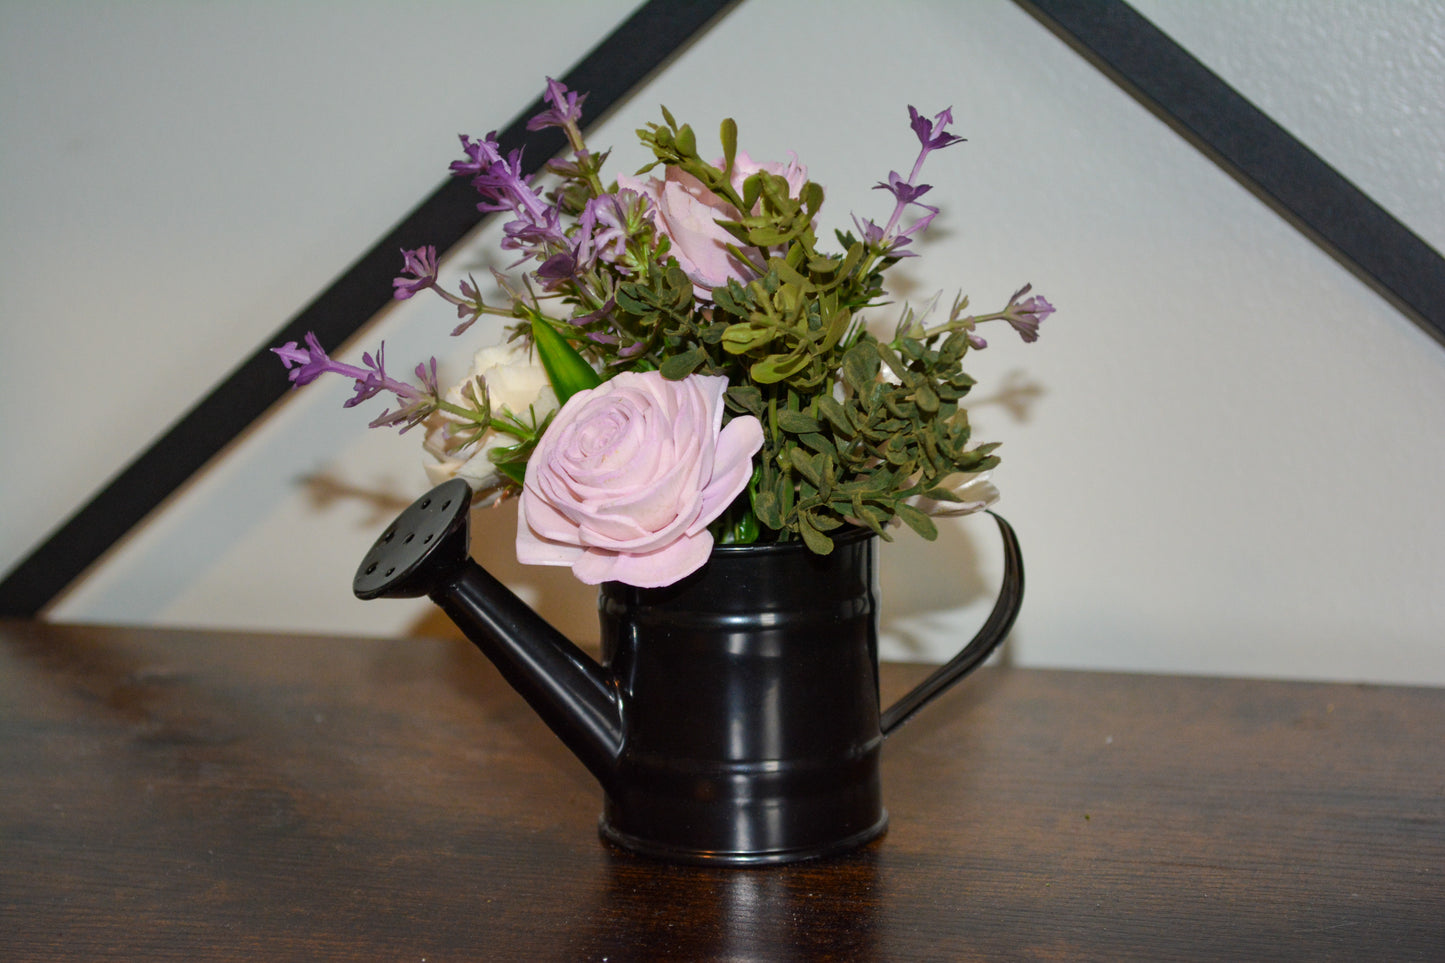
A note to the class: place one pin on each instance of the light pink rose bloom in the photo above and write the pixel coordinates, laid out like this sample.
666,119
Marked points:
624,482
688,214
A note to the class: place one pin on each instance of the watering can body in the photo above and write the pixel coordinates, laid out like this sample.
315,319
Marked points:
734,717
752,716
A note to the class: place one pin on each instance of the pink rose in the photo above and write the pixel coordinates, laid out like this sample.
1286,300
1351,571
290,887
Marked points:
624,482
688,214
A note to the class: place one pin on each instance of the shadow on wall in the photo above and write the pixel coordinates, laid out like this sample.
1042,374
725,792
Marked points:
324,491
924,582
919,581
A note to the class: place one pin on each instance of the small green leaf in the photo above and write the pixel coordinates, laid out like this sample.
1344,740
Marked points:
820,443
752,187
894,363
766,507
797,423
679,366
516,471
917,521
770,236
788,275
837,327
785,489
777,367
817,542
747,398
812,196
833,411
729,135
825,523
860,367
806,466
686,141
628,299
568,371
741,338
734,299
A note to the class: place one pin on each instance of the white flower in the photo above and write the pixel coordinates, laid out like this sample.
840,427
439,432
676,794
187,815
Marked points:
517,387
974,490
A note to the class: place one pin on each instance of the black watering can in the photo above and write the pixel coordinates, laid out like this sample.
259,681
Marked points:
734,717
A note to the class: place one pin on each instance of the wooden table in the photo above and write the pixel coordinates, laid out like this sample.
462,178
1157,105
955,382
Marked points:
193,795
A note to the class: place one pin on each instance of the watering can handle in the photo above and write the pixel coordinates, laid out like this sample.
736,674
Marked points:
1000,620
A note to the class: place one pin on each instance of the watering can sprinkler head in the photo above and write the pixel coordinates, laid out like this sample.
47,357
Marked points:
426,545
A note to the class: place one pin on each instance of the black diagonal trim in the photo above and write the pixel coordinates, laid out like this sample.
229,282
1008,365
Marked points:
642,43
1258,152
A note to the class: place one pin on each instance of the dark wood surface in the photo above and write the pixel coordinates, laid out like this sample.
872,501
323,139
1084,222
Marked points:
195,796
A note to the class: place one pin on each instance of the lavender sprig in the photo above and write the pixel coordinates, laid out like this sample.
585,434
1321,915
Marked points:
1023,316
418,272
890,239
417,401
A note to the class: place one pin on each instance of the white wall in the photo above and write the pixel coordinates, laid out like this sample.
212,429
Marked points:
1222,457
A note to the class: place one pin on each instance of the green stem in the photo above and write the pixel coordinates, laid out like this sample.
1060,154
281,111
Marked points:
948,327
575,141
466,414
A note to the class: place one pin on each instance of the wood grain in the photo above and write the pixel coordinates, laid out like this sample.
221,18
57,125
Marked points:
186,795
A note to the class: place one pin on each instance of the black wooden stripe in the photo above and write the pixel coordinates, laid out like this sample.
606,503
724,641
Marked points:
1258,152
642,43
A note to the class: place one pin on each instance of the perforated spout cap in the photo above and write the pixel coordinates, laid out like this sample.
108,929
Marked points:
426,544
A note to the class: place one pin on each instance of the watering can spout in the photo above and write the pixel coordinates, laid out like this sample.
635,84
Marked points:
425,552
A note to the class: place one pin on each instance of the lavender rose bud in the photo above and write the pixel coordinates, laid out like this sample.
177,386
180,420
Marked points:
687,213
625,481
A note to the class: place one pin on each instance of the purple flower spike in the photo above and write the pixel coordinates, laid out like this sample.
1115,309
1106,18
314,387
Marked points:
1025,316
566,107
557,269
892,238
418,272
933,136
481,154
905,192
537,229
304,366
605,226
872,233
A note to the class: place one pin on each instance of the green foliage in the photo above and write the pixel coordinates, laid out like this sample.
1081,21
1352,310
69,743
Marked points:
566,369
855,428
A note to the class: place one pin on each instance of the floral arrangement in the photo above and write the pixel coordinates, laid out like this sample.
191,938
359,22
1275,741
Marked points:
687,366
